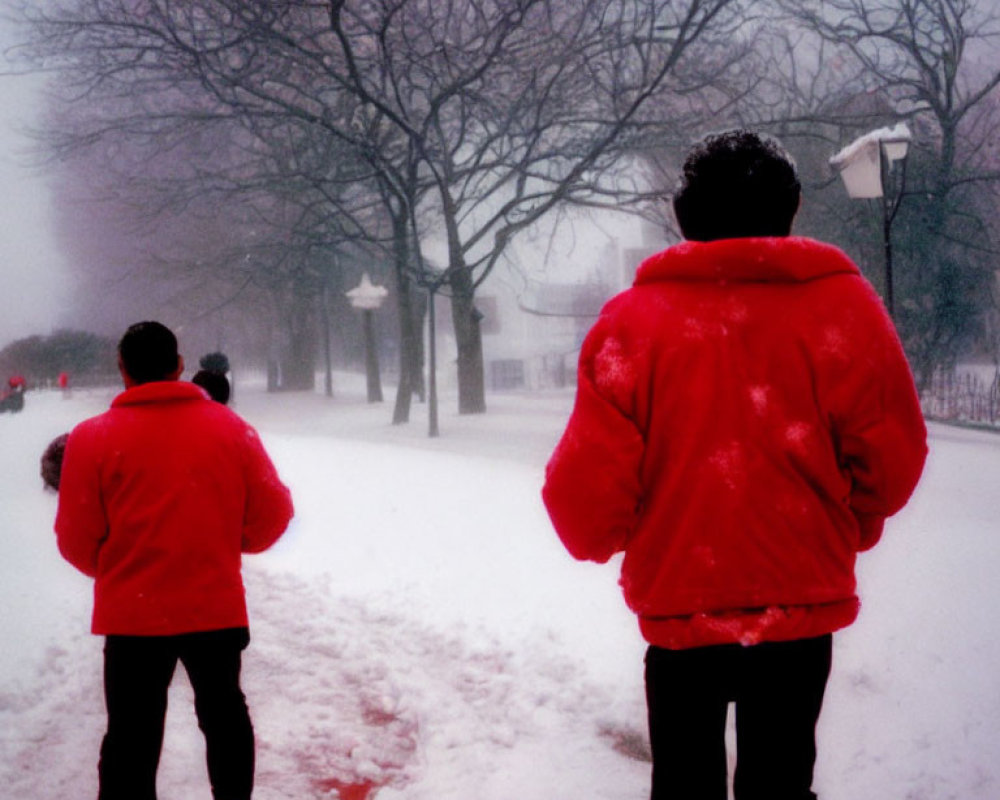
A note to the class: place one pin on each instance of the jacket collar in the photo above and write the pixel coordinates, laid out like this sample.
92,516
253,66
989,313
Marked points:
785,259
158,392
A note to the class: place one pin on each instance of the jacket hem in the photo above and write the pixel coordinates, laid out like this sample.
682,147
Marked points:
748,626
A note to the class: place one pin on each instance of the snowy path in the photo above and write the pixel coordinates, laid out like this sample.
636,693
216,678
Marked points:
420,634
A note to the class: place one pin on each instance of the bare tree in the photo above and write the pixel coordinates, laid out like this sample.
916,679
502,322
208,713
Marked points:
933,63
515,107
153,72
506,108
166,161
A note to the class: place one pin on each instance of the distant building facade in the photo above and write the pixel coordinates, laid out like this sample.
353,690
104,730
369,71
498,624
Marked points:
532,329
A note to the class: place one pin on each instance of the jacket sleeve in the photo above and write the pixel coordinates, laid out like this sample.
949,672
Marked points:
881,432
592,488
81,522
268,501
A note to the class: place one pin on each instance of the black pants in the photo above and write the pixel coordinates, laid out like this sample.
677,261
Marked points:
137,672
777,688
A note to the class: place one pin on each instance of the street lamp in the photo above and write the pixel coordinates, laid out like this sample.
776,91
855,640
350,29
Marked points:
874,165
367,297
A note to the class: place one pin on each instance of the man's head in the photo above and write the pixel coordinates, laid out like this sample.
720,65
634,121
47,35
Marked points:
737,184
148,352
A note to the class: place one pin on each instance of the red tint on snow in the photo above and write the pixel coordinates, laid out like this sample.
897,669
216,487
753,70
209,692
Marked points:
378,717
348,791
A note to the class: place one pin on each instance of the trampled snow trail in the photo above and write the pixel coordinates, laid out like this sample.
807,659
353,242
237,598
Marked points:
420,634
348,702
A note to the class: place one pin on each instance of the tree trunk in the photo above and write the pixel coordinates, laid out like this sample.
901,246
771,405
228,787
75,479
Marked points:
465,318
298,373
408,332
298,355
327,356
419,311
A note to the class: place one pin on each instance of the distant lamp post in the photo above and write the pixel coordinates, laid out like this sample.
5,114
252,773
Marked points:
873,166
368,297
432,282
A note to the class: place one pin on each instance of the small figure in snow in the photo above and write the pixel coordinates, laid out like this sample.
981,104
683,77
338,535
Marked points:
12,399
745,421
159,497
218,362
215,383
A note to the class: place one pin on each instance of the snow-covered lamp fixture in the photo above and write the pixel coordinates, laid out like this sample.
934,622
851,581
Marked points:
860,164
868,167
368,297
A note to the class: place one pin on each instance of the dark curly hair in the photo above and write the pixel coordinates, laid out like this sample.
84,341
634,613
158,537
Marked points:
737,184
52,459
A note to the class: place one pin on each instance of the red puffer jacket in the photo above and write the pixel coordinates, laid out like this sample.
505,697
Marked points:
158,498
744,422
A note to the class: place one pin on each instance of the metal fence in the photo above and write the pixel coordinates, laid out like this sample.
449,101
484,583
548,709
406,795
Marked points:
969,396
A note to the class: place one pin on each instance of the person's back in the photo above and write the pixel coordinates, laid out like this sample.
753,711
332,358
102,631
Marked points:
176,472
745,420
741,394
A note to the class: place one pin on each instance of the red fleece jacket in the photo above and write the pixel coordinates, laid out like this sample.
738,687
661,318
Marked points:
158,498
745,420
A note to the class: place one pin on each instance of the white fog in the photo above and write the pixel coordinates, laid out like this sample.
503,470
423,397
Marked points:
34,294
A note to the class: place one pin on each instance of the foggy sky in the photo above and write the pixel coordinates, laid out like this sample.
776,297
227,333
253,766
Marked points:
33,292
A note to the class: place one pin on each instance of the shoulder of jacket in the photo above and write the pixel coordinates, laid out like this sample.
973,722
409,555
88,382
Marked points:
92,425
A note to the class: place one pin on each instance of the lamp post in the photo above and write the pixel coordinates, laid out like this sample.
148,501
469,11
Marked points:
432,393
874,166
367,297
432,282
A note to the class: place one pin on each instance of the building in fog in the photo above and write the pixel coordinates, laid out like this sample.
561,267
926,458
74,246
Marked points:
533,324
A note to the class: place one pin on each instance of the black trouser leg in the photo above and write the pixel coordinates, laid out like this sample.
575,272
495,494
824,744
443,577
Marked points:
778,691
777,706
137,673
213,662
687,701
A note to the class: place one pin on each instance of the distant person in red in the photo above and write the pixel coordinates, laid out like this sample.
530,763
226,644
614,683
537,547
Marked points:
63,381
159,497
745,420
12,399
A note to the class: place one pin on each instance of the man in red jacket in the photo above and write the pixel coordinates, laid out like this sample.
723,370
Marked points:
159,496
745,421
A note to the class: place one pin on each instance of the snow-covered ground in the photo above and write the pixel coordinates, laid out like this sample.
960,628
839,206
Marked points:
420,634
